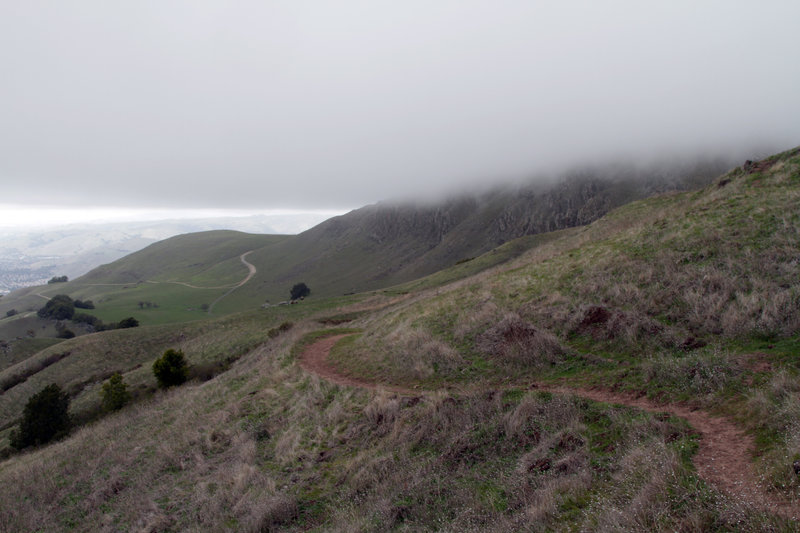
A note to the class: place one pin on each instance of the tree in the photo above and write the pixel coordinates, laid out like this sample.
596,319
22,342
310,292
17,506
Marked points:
171,368
84,304
115,393
299,290
60,307
44,418
129,322
58,279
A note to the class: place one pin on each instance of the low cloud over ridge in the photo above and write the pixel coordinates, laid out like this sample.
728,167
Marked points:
301,104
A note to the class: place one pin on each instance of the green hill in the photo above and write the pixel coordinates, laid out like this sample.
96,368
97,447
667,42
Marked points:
688,300
378,246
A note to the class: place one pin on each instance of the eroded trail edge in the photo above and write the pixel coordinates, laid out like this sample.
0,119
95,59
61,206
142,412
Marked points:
723,458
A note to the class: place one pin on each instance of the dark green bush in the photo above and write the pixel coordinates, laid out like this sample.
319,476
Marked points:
171,368
45,417
66,334
84,304
299,290
129,322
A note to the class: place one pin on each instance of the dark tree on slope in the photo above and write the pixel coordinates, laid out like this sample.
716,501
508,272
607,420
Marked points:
45,417
84,304
129,322
60,307
299,290
171,368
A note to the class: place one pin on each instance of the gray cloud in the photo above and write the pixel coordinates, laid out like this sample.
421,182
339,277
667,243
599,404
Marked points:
336,104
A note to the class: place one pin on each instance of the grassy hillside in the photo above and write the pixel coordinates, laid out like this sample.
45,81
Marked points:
168,282
370,248
690,299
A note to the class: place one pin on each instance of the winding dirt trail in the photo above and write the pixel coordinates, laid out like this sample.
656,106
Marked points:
251,271
251,268
722,459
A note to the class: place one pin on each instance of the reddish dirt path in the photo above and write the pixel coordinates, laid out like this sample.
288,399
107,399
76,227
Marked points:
722,459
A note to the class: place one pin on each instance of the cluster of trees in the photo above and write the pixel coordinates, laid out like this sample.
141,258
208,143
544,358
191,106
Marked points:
62,307
46,417
58,279
46,414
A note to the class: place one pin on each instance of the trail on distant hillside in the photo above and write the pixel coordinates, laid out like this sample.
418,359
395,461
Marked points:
723,455
251,272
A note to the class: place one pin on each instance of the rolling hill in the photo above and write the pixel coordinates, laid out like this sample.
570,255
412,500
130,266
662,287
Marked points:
370,248
554,389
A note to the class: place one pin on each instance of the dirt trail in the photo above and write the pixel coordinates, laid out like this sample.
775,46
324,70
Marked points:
251,272
722,459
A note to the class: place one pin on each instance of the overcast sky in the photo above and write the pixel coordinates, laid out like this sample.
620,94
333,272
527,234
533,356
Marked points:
334,104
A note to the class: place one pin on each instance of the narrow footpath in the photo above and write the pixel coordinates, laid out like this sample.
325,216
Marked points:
723,458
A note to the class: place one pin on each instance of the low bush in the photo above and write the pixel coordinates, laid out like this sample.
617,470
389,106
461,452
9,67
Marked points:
115,393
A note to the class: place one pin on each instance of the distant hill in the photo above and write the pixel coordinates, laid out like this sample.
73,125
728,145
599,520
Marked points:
373,247
31,256
391,243
369,248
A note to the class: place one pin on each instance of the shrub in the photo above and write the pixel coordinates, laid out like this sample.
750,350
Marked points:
171,368
11,312
129,322
84,304
66,334
84,318
44,418
115,393
284,327
299,290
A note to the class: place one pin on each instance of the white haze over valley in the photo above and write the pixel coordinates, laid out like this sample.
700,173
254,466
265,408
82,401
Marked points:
34,248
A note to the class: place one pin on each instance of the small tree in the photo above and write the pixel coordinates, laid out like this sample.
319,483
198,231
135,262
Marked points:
129,322
299,290
115,393
171,368
44,418
84,304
